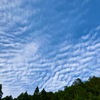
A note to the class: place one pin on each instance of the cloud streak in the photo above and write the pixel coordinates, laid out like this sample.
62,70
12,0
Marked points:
38,46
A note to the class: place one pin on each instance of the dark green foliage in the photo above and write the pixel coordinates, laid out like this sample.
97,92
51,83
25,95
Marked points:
36,92
1,93
44,95
8,98
36,95
23,96
89,90
77,82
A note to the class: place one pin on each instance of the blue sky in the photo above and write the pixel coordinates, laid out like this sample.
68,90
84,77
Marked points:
48,43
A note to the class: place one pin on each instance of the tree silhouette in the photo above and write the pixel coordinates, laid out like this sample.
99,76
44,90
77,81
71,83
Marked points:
44,95
8,98
36,92
36,95
77,82
1,93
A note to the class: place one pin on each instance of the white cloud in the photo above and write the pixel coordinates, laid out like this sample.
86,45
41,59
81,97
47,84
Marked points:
28,57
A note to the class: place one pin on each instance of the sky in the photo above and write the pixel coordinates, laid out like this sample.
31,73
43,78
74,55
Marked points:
48,43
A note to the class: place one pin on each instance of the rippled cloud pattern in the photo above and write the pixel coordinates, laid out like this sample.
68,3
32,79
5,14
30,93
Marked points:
48,43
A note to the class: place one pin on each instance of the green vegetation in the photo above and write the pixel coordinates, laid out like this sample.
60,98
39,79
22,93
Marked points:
89,90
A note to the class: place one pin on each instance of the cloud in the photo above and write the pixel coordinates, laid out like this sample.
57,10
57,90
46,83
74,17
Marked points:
38,46
75,60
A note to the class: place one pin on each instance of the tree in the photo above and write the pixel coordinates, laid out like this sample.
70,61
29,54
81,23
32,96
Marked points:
1,93
44,95
77,82
8,98
23,96
36,95
36,92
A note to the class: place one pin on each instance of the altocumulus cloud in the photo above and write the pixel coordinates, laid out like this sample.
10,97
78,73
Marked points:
47,44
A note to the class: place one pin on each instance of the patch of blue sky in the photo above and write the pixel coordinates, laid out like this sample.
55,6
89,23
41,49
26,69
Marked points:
43,42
